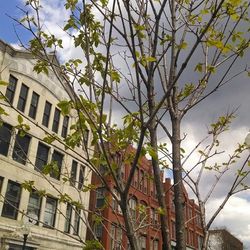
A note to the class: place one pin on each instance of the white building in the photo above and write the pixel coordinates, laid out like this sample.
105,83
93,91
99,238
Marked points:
35,97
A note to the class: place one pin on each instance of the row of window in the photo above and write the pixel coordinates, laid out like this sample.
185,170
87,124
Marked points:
140,181
47,219
138,211
20,153
21,104
116,238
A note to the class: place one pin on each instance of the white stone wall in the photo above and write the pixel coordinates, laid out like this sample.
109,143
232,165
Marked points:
20,65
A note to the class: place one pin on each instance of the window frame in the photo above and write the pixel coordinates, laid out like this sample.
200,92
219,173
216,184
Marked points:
68,217
11,201
24,91
46,114
56,120
5,129
50,212
34,105
22,148
39,159
59,163
34,207
65,126
11,89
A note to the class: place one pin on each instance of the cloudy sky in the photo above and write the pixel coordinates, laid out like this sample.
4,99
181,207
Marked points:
236,214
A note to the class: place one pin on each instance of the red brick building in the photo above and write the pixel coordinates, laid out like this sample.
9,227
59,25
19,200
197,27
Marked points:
144,210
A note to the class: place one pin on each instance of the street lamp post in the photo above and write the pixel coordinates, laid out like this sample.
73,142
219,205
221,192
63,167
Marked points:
25,230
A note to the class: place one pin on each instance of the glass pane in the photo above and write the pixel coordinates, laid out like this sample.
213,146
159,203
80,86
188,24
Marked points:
22,97
12,199
41,156
21,148
5,136
50,212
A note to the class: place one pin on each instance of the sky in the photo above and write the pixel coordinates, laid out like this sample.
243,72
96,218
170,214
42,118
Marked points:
235,216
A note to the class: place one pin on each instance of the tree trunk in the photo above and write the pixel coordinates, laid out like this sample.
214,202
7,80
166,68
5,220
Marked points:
160,192
178,185
131,235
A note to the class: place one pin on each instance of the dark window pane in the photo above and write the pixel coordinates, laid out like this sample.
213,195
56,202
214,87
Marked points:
12,199
21,148
56,120
5,137
50,212
68,218
77,221
46,114
65,126
34,205
41,156
73,173
11,88
1,183
100,198
58,158
22,97
81,177
33,105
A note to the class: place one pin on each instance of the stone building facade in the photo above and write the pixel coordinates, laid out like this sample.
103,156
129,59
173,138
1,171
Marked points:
51,224
221,239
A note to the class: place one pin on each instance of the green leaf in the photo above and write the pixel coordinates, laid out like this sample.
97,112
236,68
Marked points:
65,107
20,119
198,67
150,59
115,76
3,83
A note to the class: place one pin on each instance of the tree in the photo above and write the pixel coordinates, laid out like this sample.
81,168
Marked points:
172,56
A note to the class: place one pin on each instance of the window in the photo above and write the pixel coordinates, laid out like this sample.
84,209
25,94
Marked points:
200,242
73,173
46,114
21,148
81,177
116,237
11,201
115,205
77,220
143,242
141,182
50,212
68,218
5,137
22,97
98,230
56,120
173,230
65,126
34,205
33,105
191,238
41,156
156,244
1,183
100,198
135,178
132,206
145,184
11,88
143,214
58,159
